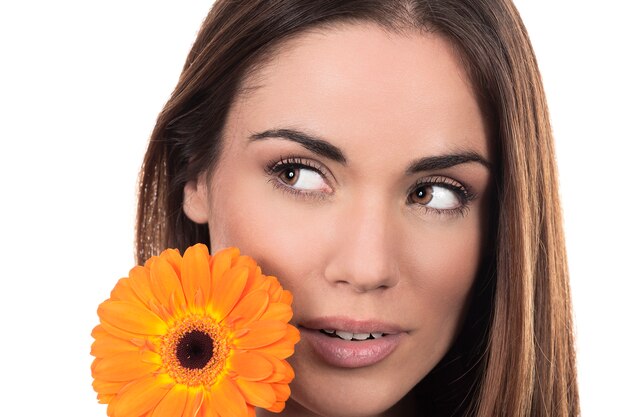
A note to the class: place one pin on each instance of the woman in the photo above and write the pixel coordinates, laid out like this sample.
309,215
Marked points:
392,163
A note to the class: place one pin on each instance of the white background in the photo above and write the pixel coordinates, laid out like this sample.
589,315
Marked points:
81,84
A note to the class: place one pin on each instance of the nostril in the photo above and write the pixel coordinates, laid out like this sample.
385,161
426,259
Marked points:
361,275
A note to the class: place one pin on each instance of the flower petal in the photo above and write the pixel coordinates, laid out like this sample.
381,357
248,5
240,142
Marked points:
262,333
172,256
293,334
124,292
98,331
281,349
282,391
258,394
141,396
286,297
139,278
274,288
126,366
283,372
227,399
207,409
251,366
165,284
107,345
227,291
132,318
278,311
290,373
254,272
195,395
117,332
111,403
173,404
105,398
196,273
278,407
257,279
249,308
107,388
222,262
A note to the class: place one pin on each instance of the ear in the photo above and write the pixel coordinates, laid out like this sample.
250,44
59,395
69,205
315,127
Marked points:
196,201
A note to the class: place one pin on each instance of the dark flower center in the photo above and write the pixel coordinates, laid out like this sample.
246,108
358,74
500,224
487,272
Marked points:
194,349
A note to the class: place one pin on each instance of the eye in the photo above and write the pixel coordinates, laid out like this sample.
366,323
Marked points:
435,196
444,195
301,178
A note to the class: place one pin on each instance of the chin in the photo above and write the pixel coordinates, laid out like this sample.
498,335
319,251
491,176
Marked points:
339,409
356,399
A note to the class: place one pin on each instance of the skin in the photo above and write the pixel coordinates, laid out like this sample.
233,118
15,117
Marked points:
351,238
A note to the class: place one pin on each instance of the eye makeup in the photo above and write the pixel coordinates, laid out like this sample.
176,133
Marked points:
286,172
440,188
309,179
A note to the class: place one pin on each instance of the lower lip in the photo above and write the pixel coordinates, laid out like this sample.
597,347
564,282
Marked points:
350,354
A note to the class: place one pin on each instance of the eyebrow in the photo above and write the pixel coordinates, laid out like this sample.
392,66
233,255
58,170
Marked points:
314,144
324,148
433,163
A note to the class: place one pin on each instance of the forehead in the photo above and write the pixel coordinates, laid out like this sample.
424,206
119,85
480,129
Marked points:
359,82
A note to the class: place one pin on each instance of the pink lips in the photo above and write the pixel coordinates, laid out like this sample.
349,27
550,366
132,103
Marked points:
349,353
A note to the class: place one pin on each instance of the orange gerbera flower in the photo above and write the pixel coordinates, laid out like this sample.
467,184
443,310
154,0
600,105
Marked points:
196,335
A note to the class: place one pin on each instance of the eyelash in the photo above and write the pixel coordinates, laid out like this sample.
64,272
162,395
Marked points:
276,167
463,193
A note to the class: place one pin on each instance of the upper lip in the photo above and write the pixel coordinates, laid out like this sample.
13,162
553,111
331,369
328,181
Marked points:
351,325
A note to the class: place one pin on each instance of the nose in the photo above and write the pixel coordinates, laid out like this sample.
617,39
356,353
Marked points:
363,250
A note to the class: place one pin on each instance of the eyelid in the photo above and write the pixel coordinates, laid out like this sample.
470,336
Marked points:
464,193
446,182
277,166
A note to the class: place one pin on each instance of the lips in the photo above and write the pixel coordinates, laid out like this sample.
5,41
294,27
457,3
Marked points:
349,343
351,325
353,336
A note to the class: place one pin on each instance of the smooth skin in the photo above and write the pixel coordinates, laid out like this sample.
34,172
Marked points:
355,168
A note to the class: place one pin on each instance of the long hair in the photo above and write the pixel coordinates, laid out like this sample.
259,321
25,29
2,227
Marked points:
524,352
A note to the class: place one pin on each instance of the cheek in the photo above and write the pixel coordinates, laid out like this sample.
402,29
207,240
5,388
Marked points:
450,262
444,267
264,223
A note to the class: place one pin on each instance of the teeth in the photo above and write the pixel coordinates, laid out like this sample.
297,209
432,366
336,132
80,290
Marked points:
344,335
353,336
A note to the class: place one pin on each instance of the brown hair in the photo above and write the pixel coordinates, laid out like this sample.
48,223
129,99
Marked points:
517,345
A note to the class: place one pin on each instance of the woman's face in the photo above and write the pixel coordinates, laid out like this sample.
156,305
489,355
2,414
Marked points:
355,169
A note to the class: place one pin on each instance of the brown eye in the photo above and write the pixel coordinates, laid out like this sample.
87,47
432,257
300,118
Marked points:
422,195
290,176
301,178
439,197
